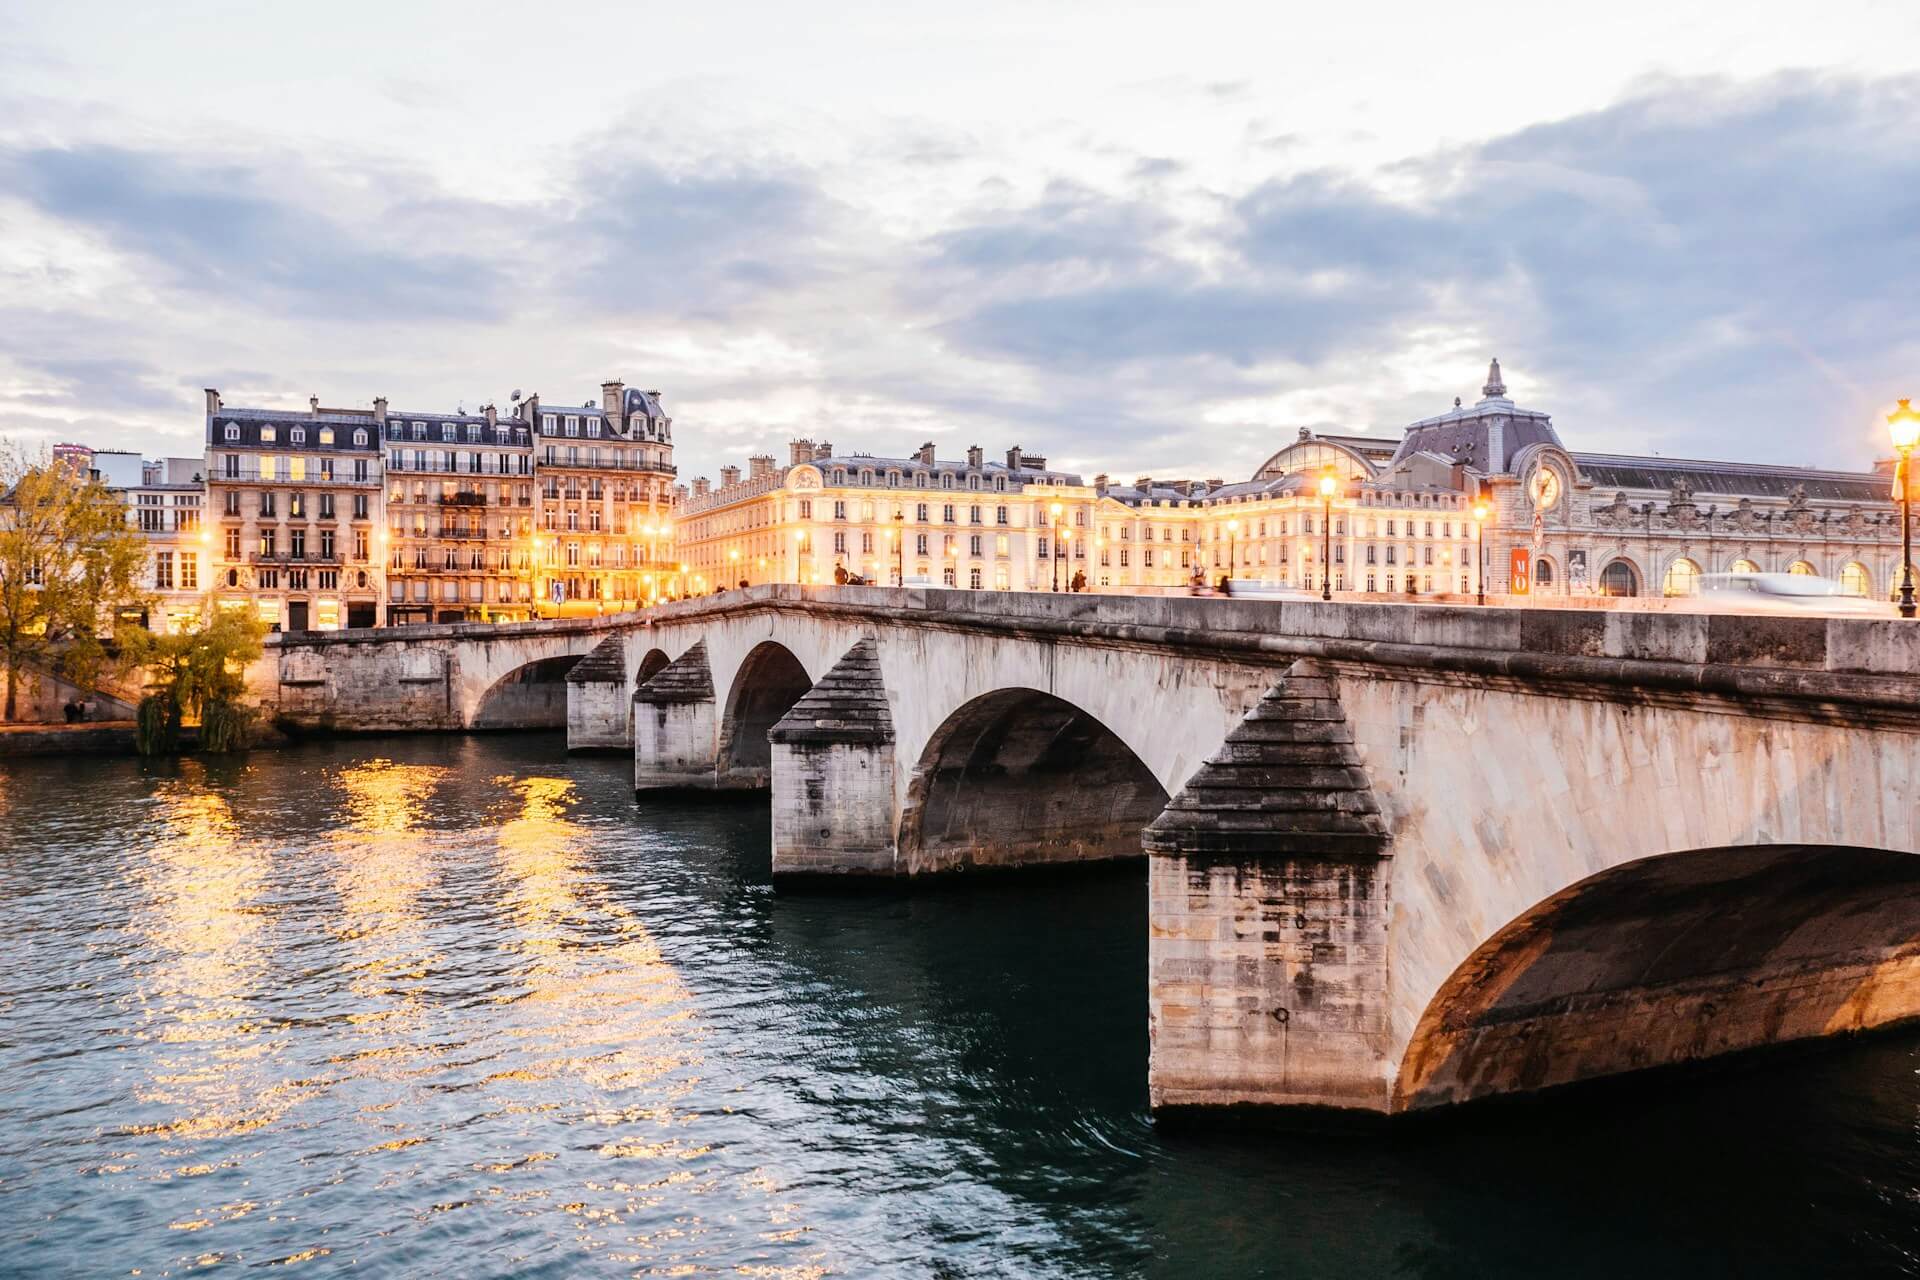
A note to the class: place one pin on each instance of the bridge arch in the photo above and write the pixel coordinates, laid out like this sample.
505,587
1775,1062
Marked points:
1671,959
651,665
531,696
1018,777
769,680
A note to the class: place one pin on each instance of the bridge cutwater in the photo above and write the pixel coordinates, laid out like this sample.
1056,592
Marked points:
1398,856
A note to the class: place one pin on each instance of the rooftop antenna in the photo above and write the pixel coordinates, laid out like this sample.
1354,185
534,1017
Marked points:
516,395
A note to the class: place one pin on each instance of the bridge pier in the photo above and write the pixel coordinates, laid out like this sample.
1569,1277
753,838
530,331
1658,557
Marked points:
675,727
833,775
599,709
1268,918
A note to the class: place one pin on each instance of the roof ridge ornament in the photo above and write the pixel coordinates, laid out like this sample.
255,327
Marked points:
1495,388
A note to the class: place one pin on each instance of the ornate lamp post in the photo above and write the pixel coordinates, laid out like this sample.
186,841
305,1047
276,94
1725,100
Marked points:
1233,533
733,554
1904,425
1055,511
1327,485
900,548
1480,546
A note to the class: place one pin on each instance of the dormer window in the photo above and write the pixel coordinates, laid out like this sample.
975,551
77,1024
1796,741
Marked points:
593,428
360,437
419,431
446,433
326,435
573,426
233,431
866,476
267,435
473,433
298,435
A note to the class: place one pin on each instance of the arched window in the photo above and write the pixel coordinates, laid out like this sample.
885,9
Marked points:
1683,578
1619,579
1854,580
1542,574
1802,568
1743,565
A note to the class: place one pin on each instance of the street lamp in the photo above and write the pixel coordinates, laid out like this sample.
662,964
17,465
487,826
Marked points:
1327,485
1056,509
733,554
899,537
1480,547
1904,425
1233,533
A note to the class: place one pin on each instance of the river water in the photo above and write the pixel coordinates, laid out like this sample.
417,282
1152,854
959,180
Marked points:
458,1006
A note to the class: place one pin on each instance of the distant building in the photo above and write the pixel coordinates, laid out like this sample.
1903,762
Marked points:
606,500
167,505
296,498
459,517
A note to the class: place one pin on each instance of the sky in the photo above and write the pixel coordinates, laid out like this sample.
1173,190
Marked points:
1137,239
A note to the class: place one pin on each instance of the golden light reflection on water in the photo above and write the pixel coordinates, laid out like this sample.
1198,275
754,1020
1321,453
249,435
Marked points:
201,968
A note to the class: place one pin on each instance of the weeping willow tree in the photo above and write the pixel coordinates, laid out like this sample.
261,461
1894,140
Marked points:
197,675
69,563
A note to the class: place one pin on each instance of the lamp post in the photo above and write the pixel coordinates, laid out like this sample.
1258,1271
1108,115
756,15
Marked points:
1327,485
1233,534
900,548
1480,547
1055,509
733,554
1904,425
1066,538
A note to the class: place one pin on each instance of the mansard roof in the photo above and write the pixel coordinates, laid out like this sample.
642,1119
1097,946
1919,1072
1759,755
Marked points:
251,421
1729,479
907,466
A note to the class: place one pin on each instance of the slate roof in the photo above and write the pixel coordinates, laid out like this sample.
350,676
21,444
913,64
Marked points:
848,705
687,678
1729,479
607,664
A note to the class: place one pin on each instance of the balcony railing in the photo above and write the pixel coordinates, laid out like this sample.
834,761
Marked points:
607,464
465,499
397,465
251,475
295,558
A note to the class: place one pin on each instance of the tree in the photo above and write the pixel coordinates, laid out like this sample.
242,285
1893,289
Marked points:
69,563
198,674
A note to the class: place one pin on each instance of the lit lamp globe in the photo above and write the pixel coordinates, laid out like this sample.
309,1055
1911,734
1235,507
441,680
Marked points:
1903,424
1479,511
1327,486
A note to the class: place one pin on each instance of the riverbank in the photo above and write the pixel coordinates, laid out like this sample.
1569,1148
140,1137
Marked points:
94,738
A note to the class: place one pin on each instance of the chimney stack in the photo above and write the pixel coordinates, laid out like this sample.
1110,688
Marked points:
313,405
975,456
1100,484
823,450
1013,458
701,486
925,455
1143,483
213,401
799,451
380,410
759,466
493,416
729,477
612,398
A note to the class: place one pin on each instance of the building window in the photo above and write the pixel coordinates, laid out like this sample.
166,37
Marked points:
1542,573
1683,578
1854,580
268,435
233,544
1617,579
163,570
233,431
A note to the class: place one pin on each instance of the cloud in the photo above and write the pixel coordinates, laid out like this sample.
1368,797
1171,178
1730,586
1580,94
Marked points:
233,228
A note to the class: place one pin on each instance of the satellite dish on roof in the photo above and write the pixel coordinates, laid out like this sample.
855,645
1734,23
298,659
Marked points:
516,395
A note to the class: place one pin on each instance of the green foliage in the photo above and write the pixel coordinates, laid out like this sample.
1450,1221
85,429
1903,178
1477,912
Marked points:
201,674
157,729
69,562
223,725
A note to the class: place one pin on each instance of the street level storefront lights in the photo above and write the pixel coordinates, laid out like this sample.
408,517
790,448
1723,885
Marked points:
1903,424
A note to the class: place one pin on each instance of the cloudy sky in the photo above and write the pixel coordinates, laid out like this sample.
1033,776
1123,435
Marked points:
1136,238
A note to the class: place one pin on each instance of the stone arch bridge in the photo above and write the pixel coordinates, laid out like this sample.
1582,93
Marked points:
1398,856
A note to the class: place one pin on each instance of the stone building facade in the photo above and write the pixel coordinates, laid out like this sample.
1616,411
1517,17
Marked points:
459,516
605,500
167,507
295,500
987,525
